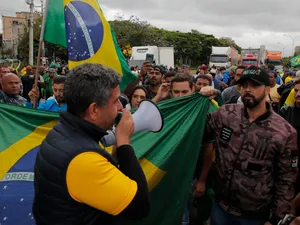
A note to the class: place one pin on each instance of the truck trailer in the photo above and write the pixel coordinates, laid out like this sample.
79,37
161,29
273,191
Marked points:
160,55
223,57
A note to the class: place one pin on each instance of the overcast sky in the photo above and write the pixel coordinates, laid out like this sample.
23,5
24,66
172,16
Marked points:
249,23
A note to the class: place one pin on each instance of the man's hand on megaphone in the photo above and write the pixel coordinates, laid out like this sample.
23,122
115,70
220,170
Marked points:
209,91
125,129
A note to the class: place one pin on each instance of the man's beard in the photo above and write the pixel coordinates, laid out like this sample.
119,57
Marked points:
253,102
153,82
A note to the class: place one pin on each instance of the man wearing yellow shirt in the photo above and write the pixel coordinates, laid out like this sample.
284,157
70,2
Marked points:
291,97
289,77
78,182
273,98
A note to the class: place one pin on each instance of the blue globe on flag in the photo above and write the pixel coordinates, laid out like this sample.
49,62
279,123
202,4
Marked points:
84,36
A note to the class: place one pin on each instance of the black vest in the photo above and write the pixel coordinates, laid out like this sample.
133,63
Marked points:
53,205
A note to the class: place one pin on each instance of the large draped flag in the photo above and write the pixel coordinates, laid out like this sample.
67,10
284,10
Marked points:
82,28
168,158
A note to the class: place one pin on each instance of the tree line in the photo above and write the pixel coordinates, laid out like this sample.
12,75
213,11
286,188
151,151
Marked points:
193,48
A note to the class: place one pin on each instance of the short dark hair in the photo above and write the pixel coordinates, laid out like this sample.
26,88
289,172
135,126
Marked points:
180,77
169,74
271,67
297,81
274,72
241,67
204,76
59,80
89,83
222,68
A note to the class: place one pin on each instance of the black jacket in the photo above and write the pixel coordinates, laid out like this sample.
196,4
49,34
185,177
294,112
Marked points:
291,113
53,203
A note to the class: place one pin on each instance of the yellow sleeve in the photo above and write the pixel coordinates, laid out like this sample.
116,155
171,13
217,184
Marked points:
93,180
290,100
288,79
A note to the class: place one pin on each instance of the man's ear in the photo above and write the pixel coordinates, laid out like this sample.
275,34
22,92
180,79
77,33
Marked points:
93,111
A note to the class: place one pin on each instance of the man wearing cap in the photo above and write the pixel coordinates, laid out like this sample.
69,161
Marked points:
49,81
203,70
256,156
155,78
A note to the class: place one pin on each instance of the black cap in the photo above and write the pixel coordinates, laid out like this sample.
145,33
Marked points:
255,74
160,68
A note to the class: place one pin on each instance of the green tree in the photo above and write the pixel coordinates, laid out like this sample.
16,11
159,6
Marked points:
286,61
191,48
23,47
227,41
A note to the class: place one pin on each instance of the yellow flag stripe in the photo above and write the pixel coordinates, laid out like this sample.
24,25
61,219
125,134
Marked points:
153,173
11,155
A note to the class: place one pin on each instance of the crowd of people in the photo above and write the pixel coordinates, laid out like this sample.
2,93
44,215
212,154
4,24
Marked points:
250,143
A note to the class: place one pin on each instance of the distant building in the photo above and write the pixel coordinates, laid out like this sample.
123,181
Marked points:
297,49
13,28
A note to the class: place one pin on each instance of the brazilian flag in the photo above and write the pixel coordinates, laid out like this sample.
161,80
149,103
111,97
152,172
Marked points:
295,61
168,158
81,27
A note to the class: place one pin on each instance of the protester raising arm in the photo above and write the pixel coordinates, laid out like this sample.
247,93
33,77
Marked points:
146,67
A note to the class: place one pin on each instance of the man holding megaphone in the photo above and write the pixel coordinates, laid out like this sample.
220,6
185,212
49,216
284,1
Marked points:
78,182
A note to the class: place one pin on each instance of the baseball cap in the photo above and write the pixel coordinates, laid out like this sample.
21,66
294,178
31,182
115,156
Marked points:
159,68
233,68
291,73
29,67
203,67
255,74
213,71
52,70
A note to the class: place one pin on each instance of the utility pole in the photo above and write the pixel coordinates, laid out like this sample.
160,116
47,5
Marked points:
43,44
31,4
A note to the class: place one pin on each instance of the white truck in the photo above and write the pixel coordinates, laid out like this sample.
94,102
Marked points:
223,57
161,55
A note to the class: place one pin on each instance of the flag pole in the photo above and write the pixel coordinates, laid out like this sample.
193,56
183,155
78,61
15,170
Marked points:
40,48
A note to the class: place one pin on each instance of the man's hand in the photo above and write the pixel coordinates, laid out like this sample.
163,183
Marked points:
34,94
162,92
124,129
296,221
296,205
209,92
223,84
200,188
146,67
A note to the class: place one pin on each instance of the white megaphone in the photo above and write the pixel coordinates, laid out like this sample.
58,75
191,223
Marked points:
147,117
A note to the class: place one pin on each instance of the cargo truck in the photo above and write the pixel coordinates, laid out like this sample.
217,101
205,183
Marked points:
160,55
253,56
223,57
274,58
